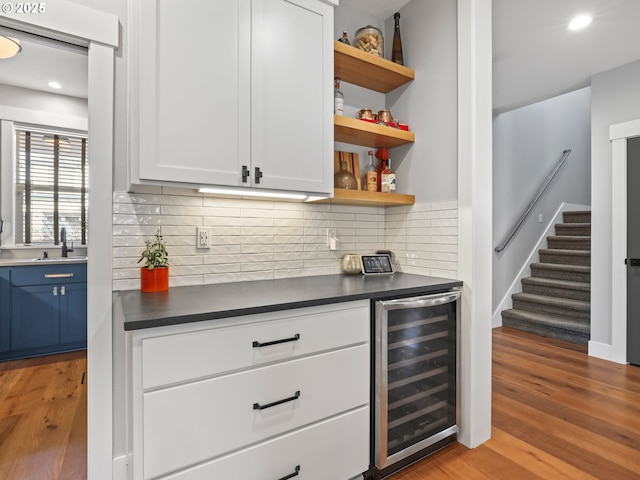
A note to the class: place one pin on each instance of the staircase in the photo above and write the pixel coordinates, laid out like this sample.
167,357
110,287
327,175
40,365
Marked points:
555,300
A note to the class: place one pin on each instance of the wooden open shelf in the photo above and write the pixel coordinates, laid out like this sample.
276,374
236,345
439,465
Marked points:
370,199
372,135
360,68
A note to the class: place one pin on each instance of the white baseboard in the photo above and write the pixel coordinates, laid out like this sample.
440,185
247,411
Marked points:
605,351
525,270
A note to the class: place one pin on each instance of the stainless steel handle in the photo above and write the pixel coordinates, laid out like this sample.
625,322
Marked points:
62,291
425,301
58,275
55,291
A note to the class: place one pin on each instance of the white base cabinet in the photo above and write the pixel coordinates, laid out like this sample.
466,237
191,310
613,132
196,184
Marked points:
253,397
232,94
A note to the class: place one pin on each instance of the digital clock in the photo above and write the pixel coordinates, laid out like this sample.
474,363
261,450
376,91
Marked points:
377,265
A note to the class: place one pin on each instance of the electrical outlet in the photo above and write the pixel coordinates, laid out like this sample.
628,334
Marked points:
203,235
332,239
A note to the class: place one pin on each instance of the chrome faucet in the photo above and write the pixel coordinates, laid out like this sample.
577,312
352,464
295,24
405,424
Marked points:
63,239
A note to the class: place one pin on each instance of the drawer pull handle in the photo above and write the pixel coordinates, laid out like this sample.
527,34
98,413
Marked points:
276,342
291,475
58,275
257,406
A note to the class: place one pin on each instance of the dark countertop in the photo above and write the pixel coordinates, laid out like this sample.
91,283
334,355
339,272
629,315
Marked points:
207,302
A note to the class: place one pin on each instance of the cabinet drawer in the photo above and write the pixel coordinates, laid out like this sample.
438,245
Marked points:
179,358
336,449
192,423
49,274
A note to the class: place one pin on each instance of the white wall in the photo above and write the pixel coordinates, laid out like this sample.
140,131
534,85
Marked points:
615,98
527,144
429,168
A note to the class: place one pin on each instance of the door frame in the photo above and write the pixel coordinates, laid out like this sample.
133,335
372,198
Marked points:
98,31
618,135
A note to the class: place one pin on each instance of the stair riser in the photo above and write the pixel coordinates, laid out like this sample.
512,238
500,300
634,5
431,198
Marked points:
576,217
560,274
550,309
569,244
566,229
560,259
573,337
557,292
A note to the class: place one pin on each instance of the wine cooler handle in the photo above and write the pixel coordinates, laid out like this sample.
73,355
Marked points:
276,342
257,406
291,475
426,301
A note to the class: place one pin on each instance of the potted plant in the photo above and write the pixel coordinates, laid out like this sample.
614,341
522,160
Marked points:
154,277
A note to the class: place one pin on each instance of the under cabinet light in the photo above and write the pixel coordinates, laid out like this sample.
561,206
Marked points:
9,47
245,192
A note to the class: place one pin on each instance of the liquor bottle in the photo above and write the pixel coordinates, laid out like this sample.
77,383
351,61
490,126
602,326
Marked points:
344,38
370,178
396,50
388,182
382,154
338,98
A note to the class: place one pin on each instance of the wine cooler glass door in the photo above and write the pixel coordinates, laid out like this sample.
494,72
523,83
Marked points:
415,374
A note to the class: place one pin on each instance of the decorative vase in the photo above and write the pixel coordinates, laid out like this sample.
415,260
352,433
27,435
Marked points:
156,280
343,178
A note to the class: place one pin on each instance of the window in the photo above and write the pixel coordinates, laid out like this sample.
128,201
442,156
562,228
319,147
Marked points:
51,186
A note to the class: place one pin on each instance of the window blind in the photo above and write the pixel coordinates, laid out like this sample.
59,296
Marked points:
51,187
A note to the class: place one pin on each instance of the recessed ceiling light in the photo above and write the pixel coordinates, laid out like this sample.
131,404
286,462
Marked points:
54,84
579,22
9,47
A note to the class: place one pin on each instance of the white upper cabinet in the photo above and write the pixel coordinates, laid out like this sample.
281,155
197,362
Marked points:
232,93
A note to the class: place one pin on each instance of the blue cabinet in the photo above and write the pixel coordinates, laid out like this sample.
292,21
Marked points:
5,309
48,310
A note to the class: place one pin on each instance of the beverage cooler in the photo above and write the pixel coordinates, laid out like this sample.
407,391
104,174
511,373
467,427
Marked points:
415,379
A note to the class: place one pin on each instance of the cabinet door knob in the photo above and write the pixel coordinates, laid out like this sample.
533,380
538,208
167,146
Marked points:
55,291
62,291
258,175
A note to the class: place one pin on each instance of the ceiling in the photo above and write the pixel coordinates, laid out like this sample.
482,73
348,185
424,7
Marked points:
42,61
535,57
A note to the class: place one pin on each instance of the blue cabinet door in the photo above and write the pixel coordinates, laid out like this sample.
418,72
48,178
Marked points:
35,317
73,313
5,309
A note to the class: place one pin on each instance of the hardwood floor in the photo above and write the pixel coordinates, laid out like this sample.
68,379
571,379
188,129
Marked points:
43,418
557,414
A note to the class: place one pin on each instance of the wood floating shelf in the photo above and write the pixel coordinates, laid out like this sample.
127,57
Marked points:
364,69
370,199
358,132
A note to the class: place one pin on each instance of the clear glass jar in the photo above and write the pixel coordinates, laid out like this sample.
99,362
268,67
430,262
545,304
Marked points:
370,40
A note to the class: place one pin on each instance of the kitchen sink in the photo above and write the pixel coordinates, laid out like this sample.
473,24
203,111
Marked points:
59,259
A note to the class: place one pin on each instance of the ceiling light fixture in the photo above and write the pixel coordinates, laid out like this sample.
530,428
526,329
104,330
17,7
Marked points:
579,22
54,84
9,47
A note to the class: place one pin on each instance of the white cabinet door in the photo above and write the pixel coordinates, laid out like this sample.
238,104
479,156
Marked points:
193,91
292,90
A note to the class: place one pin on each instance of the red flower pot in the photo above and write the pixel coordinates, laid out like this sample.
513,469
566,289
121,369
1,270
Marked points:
156,280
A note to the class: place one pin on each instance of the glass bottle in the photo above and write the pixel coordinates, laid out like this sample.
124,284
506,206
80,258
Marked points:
343,178
388,182
370,177
344,39
338,98
396,51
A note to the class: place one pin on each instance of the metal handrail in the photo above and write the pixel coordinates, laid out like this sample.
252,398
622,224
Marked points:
527,211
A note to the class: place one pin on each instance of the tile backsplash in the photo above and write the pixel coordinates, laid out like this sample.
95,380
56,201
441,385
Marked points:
256,239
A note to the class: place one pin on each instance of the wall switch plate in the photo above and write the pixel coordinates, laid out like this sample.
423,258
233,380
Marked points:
332,239
203,237
540,218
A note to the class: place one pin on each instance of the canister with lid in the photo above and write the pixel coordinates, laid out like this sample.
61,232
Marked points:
370,40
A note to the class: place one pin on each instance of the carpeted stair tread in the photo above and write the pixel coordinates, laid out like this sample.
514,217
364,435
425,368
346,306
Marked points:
569,242
557,288
574,305
577,217
578,229
567,329
576,273
568,257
